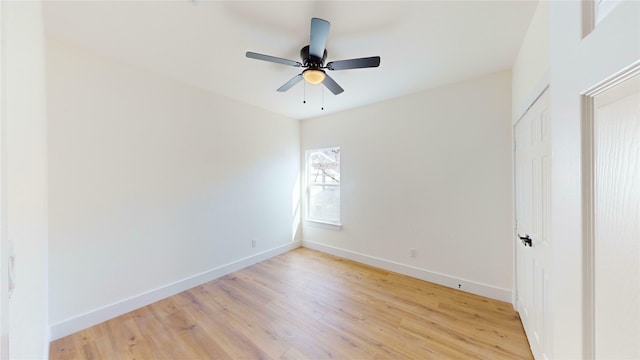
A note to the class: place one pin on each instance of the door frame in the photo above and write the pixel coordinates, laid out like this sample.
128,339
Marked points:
588,196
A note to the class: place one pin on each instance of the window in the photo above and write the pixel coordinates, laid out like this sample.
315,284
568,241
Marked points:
604,7
323,185
594,11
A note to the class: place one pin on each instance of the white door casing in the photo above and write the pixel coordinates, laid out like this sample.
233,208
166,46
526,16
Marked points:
533,245
609,85
4,246
581,59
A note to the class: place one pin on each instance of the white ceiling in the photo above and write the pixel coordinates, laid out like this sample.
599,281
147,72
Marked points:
422,44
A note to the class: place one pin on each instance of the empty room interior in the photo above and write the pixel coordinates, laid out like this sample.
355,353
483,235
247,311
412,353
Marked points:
320,179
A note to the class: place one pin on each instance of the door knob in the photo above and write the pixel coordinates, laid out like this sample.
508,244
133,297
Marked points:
526,240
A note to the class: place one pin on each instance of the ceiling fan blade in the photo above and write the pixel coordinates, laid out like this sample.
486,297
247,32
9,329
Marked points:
332,85
318,39
360,63
274,59
296,79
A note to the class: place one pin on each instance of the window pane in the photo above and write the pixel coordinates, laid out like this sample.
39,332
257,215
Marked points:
324,203
604,7
324,166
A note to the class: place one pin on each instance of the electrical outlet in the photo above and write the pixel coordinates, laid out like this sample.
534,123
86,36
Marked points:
414,253
253,243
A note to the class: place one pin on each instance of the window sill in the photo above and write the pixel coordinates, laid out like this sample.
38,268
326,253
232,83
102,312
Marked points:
325,225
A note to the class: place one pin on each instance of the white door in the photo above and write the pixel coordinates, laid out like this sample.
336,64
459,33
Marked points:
533,166
615,178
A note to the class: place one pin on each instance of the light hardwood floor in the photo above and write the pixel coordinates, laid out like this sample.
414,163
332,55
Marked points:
308,305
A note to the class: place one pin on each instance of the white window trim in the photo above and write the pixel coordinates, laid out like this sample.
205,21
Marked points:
324,224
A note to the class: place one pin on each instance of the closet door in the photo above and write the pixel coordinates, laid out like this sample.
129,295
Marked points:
533,191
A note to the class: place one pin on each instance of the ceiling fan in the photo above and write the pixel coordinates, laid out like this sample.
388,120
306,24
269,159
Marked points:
313,57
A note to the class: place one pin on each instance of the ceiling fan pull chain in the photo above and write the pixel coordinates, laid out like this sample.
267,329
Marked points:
304,93
322,108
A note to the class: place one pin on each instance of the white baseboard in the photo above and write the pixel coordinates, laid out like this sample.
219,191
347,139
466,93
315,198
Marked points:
434,277
108,312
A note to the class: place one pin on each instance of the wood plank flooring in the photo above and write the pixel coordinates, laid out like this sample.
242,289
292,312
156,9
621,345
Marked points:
308,305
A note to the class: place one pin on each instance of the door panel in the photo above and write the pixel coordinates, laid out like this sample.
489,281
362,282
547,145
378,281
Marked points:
532,218
616,221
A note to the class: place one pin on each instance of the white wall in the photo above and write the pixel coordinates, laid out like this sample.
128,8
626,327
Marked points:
577,65
531,69
24,176
430,171
153,182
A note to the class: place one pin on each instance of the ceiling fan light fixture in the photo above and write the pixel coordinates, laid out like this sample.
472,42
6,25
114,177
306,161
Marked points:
313,76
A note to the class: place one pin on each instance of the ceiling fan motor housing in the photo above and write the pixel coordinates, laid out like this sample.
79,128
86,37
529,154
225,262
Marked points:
310,61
